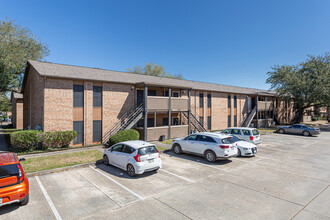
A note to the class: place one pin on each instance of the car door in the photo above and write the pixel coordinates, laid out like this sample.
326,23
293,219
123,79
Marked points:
236,132
296,129
205,142
189,142
246,134
289,130
115,153
124,156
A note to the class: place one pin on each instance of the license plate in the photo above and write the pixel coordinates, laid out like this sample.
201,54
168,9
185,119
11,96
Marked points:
151,161
232,148
0,200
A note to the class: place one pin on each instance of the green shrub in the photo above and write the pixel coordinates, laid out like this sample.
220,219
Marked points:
25,140
57,139
124,135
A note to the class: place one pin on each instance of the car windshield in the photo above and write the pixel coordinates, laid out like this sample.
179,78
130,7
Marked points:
255,132
229,140
147,150
8,171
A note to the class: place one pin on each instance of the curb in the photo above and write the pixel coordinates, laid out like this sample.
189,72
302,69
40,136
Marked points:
44,172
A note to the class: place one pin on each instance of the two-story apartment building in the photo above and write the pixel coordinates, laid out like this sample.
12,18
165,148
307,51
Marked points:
97,103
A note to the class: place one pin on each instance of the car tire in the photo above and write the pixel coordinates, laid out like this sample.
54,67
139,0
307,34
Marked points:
130,170
210,156
306,133
281,131
105,160
25,200
239,152
177,149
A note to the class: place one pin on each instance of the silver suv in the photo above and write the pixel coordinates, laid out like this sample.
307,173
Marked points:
247,134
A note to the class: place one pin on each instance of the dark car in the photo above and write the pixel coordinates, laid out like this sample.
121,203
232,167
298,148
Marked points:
298,129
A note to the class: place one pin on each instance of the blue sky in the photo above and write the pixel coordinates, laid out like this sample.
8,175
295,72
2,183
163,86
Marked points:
225,42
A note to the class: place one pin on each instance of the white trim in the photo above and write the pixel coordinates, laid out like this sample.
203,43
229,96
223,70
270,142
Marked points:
50,203
181,177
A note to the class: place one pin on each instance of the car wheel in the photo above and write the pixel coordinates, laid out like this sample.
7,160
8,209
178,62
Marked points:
177,149
281,131
130,170
105,160
25,200
210,156
306,133
239,152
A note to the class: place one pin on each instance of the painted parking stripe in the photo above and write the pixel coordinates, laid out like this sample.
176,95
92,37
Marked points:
119,184
181,177
50,203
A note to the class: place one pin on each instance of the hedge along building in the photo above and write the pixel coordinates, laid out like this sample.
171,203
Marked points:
17,109
97,103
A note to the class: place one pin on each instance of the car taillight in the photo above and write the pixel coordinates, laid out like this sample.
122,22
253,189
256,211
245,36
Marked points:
158,153
137,158
224,146
251,138
20,173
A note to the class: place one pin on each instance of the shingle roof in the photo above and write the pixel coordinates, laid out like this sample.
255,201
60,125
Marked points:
84,73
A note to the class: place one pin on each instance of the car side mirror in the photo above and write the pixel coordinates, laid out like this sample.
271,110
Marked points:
21,159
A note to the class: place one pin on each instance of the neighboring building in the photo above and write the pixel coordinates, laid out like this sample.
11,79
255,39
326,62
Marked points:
17,109
97,103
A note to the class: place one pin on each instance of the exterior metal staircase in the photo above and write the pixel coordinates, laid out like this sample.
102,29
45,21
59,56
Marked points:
194,122
127,121
248,118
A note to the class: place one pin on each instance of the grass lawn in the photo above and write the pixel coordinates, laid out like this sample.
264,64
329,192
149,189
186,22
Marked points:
61,160
161,148
169,142
266,130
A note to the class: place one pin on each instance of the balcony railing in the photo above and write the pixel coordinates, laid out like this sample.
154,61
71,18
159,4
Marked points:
160,103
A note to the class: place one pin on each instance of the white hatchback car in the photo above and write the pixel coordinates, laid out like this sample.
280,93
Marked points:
247,134
245,148
210,145
136,157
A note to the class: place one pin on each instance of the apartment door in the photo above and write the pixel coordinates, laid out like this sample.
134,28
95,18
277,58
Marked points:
249,103
139,97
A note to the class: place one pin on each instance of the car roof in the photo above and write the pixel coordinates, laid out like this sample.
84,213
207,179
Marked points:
246,128
137,144
8,158
213,134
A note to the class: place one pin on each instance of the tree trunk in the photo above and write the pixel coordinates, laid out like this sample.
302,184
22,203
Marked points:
299,115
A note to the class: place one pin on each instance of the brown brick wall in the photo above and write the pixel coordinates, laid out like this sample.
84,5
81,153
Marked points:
33,110
88,113
219,110
58,105
19,114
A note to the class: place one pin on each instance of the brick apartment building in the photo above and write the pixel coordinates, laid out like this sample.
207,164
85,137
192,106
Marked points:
97,103
17,109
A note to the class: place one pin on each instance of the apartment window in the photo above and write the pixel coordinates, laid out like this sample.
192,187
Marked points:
175,121
235,101
175,94
229,102
208,122
235,120
78,126
97,130
201,100
78,95
165,121
97,96
166,93
151,92
229,121
209,100
201,120
150,122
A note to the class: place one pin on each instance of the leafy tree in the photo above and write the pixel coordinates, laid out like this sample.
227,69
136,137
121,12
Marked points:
5,105
17,45
308,83
153,70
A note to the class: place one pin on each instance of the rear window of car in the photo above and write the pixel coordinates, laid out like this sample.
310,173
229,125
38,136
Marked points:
246,132
147,150
255,132
229,140
236,138
8,171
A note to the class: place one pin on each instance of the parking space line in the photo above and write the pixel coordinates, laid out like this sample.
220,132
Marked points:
181,177
50,203
119,184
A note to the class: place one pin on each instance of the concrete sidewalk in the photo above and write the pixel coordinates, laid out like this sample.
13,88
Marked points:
3,142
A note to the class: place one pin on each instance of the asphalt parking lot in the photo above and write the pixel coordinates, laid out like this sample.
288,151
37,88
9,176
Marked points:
288,179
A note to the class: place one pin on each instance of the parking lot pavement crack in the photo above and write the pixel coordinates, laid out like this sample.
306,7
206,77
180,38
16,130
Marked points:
267,194
303,209
98,188
173,208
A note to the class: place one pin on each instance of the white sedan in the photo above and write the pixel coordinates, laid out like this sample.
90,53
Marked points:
209,145
136,157
245,148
